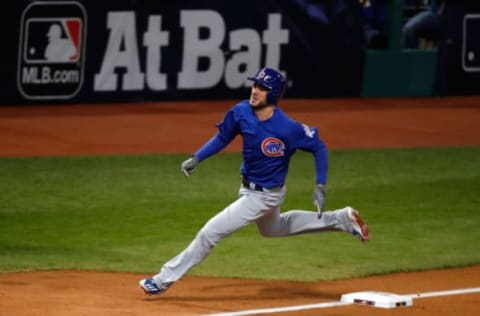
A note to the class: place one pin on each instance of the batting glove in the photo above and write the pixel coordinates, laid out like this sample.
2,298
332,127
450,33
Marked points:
318,197
189,164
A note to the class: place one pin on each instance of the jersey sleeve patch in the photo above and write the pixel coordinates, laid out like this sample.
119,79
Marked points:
308,131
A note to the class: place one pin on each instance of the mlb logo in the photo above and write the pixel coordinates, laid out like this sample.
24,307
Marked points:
53,40
52,49
471,44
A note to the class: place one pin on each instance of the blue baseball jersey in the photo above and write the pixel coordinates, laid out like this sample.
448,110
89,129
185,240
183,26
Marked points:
267,145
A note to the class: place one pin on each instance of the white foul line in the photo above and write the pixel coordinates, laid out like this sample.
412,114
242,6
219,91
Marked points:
339,303
282,309
444,293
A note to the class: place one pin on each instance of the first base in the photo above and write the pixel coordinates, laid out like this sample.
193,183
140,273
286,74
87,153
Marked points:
377,299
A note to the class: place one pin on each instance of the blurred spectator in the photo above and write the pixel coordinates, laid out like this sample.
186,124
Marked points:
423,29
374,13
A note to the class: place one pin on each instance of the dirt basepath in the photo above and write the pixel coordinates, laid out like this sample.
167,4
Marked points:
183,127
75,293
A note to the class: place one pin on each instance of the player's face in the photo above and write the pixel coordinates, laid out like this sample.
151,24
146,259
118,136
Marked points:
258,95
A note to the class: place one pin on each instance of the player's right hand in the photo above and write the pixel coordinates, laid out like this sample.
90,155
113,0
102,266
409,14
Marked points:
189,164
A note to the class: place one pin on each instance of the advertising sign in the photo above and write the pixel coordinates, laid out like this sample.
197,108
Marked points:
84,51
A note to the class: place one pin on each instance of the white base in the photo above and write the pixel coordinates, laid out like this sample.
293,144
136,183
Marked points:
377,299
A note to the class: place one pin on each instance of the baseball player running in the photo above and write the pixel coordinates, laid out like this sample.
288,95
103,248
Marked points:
270,138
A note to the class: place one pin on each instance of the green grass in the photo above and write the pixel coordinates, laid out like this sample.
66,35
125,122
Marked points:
132,213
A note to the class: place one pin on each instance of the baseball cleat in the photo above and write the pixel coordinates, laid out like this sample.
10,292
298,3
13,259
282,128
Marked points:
359,228
151,288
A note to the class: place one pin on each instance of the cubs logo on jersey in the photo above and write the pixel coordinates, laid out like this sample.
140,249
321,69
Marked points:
273,147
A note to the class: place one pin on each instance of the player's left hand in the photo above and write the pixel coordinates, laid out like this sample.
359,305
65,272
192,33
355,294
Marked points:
318,197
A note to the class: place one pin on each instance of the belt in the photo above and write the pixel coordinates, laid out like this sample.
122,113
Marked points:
252,186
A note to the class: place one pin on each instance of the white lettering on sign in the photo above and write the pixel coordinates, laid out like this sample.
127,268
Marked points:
122,31
154,39
194,48
45,75
204,64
